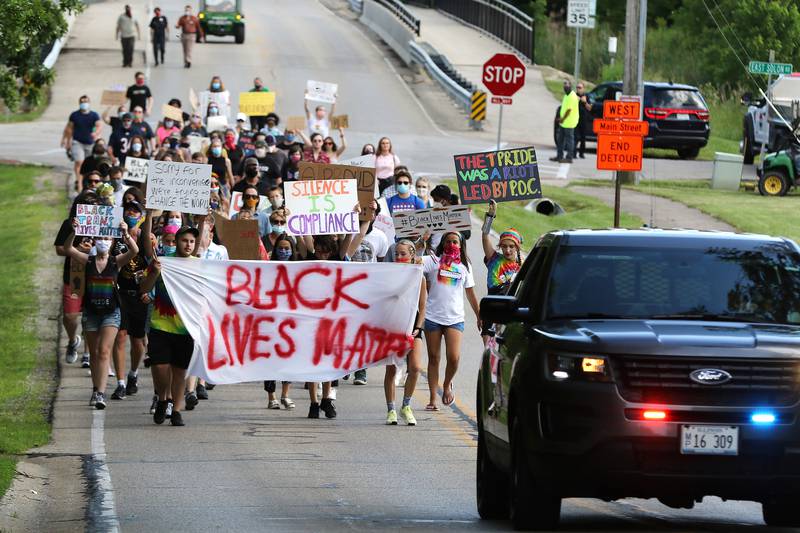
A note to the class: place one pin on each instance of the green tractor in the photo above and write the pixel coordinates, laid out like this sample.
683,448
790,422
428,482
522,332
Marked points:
780,170
222,18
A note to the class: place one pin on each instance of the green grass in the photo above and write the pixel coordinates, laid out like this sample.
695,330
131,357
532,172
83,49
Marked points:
581,212
747,211
24,394
27,115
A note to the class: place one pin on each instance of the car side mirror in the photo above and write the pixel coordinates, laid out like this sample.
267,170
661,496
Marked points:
747,98
502,310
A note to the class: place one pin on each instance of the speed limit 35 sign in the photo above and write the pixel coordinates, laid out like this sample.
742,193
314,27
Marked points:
579,14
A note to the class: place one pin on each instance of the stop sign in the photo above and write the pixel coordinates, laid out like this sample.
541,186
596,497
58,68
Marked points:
504,74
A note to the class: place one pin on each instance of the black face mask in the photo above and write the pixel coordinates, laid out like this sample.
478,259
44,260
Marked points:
251,172
185,145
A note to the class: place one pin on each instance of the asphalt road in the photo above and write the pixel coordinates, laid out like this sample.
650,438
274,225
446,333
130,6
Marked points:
237,465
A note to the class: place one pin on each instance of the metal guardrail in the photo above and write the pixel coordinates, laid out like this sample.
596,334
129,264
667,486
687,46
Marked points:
356,5
496,18
400,11
462,96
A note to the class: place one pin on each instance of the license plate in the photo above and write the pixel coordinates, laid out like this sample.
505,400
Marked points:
218,22
681,116
709,440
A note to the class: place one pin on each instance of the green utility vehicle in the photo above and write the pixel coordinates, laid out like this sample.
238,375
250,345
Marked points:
779,171
223,18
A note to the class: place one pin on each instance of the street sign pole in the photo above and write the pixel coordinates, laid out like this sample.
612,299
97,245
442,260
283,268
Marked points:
578,51
617,191
769,98
499,126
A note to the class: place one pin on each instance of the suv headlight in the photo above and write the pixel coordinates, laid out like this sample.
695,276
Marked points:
574,367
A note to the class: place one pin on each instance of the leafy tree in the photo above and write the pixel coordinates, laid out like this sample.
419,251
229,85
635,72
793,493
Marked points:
26,28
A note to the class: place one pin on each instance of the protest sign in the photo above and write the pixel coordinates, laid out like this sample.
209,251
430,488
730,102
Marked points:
170,111
77,277
360,161
113,98
216,124
222,99
98,220
292,321
295,123
193,99
433,219
321,207
256,104
240,237
340,121
136,169
198,144
383,220
365,176
320,91
184,187
502,176
236,203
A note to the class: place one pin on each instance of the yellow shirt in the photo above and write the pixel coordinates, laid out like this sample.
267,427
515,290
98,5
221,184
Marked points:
570,101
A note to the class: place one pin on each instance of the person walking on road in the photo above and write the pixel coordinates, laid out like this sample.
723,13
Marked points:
127,33
567,121
83,128
158,34
503,264
584,121
139,94
190,28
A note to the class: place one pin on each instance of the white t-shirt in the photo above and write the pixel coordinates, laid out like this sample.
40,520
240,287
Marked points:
316,125
379,241
446,294
216,252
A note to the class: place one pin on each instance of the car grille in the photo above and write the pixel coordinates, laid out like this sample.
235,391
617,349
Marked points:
665,380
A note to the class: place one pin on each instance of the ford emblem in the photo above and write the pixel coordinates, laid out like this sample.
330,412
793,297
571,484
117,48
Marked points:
710,376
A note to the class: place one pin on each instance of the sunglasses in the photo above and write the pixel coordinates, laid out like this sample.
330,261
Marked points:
94,181
328,143
404,183
250,196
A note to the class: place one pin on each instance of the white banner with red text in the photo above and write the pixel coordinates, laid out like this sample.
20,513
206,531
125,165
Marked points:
292,321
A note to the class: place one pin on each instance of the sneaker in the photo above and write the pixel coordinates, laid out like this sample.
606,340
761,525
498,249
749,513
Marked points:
119,392
554,158
391,418
85,361
133,385
191,400
313,410
160,413
72,350
101,401
154,404
176,419
210,386
328,407
168,412
93,399
274,404
360,377
287,403
202,392
408,415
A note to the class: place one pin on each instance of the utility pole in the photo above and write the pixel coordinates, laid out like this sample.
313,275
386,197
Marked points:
633,81
578,52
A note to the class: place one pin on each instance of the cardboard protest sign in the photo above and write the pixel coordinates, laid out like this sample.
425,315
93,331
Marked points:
198,144
340,121
296,123
136,169
113,98
98,220
222,99
433,219
77,278
321,207
256,104
170,111
216,124
236,203
240,237
320,91
193,99
383,220
292,321
365,176
502,176
184,187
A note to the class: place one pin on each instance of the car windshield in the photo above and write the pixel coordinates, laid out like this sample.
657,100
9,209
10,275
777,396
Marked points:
677,98
758,284
220,6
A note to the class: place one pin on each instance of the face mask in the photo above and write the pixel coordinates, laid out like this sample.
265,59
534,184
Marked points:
168,124
406,259
290,137
437,204
230,141
215,85
284,254
403,188
98,154
251,172
117,184
452,254
422,191
169,250
139,82
102,246
213,112
295,157
214,205
84,106
214,189
185,145
188,12
276,202
132,222
216,151
261,152
175,222
251,203
136,146
120,114
277,230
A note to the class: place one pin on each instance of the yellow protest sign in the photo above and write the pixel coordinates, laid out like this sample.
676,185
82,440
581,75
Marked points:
256,104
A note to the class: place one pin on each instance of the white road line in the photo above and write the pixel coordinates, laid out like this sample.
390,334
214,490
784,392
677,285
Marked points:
106,514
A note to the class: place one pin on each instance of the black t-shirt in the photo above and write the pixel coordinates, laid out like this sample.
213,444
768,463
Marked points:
261,187
159,26
61,238
120,143
237,158
127,274
277,163
143,128
89,165
138,95
219,167
191,130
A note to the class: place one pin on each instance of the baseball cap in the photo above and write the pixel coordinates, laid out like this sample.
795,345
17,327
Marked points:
188,229
127,116
270,140
133,204
260,144
251,161
242,117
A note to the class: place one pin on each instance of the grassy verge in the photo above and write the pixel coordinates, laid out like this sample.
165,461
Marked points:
27,115
746,211
581,212
24,391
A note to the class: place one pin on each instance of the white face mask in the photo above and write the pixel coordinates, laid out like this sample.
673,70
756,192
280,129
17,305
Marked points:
174,222
276,202
102,246
261,152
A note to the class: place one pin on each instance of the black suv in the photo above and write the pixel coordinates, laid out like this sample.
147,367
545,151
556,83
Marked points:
643,363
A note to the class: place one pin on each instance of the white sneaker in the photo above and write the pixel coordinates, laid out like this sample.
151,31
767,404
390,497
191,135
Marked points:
169,409
72,350
93,399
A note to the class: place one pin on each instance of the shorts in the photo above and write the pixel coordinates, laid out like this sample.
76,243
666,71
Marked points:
72,303
134,314
93,321
169,349
430,325
80,151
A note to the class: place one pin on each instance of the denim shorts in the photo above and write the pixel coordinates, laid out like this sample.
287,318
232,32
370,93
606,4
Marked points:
93,322
433,326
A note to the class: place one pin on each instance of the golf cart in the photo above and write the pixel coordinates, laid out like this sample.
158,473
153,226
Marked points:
222,18
781,169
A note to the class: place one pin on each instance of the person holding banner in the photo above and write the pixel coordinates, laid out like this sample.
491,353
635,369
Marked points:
319,123
501,266
448,275
258,122
101,313
331,150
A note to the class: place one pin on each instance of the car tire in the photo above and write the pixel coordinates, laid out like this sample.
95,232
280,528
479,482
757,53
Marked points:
773,183
688,153
747,145
532,506
491,484
238,33
781,514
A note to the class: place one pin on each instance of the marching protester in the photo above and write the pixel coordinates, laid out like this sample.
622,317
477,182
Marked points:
270,126
220,164
367,149
423,187
119,141
139,95
159,34
142,128
258,122
83,128
190,29
314,153
403,200
331,150
385,161
127,32
501,266
166,129
319,122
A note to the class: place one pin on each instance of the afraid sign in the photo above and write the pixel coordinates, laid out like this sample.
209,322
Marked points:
434,220
184,187
502,176
256,104
365,176
136,169
321,207
98,220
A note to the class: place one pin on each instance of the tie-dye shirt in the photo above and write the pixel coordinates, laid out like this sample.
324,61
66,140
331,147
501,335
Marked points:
100,295
500,271
445,304
164,316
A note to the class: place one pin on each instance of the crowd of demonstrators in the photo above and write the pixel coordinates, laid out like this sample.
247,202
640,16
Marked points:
125,309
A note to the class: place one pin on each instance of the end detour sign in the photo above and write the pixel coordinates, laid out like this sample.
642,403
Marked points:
619,152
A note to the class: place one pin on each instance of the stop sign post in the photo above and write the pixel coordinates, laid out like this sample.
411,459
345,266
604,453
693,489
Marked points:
503,75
